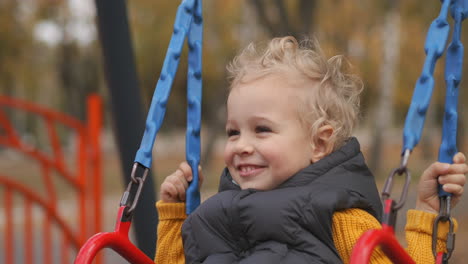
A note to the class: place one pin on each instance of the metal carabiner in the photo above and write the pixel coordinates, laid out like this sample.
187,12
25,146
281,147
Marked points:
450,244
386,193
444,216
130,197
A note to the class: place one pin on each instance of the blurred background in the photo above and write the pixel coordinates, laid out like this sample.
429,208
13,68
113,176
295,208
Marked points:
55,53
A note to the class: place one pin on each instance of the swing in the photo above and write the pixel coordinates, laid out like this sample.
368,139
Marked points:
434,47
188,23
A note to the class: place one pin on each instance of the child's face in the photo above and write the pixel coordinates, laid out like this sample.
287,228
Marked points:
266,143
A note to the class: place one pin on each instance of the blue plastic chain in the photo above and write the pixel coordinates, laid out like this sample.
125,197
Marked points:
188,23
434,47
453,74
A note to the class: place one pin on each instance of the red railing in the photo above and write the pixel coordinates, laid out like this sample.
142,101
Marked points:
84,179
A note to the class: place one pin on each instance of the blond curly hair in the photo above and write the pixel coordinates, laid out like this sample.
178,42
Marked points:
332,95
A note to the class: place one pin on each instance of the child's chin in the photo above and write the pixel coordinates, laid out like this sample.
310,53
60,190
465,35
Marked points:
256,186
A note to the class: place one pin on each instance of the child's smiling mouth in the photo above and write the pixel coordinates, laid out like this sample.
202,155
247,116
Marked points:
249,170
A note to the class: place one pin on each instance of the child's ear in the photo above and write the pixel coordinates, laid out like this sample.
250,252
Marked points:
322,143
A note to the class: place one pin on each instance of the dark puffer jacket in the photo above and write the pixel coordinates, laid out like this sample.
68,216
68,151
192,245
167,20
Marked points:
290,224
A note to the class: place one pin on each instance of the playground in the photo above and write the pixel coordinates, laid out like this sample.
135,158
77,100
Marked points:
80,171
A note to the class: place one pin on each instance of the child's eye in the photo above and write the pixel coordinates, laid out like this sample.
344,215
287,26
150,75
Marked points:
262,129
232,132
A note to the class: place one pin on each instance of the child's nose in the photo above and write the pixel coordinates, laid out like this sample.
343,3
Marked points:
243,146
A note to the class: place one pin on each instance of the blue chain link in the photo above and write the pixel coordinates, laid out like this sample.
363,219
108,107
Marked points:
448,148
194,95
434,47
453,74
188,22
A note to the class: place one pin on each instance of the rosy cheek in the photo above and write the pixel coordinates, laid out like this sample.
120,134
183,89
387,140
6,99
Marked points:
271,153
275,159
227,154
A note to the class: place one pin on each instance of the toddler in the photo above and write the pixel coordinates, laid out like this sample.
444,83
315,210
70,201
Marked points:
296,188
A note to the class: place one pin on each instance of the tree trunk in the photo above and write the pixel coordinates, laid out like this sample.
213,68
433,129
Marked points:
384,112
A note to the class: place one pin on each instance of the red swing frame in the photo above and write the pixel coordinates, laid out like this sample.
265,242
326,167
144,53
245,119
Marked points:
117,240
385,238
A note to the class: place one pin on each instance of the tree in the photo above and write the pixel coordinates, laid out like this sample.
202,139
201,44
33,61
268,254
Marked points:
384,109
281,18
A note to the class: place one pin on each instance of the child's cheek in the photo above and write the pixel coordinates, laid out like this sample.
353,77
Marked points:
228,154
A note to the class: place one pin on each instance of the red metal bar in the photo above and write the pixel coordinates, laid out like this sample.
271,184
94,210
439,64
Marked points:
47,240
41,158
12,140
385,238
85,178
47,230
20,188
440,258
9,131
55,142
9,249
64,250
95,114
81,179
117,240
49,185
59,117
28,233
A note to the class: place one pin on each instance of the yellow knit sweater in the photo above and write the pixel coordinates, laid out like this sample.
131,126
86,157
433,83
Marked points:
348,226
